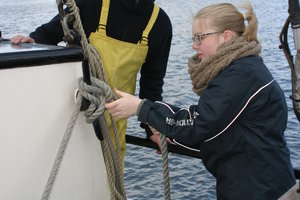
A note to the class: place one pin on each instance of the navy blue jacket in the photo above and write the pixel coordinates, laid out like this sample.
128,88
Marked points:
238,126
126,21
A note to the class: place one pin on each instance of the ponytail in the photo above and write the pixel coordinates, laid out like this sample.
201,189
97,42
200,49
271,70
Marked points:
250,32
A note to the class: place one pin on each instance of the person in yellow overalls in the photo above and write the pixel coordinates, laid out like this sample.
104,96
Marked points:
130,36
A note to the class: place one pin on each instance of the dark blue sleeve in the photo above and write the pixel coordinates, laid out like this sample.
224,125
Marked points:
217,107
50,33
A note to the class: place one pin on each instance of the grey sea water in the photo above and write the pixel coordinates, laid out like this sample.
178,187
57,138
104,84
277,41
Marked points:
143,167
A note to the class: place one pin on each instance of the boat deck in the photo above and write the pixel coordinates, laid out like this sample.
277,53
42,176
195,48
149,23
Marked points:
26,54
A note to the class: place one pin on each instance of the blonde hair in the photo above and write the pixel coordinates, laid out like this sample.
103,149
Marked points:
225,16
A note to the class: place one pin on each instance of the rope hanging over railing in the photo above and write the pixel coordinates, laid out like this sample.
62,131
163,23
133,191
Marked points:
112,155
97,93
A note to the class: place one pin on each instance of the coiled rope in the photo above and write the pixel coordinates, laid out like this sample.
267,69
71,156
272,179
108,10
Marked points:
97,93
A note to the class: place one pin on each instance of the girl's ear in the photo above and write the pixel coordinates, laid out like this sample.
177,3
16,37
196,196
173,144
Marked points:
227,34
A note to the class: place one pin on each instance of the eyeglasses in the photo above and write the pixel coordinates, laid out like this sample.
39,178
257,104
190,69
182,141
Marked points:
198,37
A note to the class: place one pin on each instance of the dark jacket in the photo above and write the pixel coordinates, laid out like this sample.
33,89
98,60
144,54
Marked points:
126,22
238,125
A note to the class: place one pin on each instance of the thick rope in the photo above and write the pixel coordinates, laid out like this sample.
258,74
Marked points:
112,158
114,167
61,151
95,96
98,93
165,165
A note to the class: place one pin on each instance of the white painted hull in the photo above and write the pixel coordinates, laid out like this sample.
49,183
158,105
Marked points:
35,106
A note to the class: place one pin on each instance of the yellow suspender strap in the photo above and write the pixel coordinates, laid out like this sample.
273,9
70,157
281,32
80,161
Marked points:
104,15
151,22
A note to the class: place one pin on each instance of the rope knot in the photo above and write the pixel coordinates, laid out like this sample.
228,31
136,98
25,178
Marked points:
98,93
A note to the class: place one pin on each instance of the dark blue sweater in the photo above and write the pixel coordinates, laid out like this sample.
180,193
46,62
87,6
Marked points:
238,126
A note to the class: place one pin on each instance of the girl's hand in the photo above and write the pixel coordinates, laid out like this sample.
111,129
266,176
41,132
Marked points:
123,107
156,138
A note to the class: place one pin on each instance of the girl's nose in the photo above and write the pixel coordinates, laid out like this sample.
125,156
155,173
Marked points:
195,45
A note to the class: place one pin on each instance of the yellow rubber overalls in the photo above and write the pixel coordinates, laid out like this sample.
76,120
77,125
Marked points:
121,61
